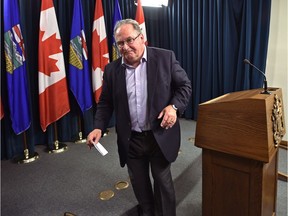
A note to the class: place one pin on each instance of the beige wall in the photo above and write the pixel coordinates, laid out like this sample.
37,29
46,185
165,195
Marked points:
277,59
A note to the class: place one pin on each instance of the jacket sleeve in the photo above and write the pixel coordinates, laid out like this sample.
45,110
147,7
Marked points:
105,106
181,86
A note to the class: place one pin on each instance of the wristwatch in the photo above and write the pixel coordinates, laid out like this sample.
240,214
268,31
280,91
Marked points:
174,107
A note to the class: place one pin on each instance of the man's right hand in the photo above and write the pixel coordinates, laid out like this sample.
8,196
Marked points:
93,137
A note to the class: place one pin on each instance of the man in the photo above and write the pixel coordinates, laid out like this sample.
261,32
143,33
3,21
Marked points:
147,89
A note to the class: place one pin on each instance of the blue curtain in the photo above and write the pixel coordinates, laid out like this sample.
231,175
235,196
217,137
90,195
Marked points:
210,38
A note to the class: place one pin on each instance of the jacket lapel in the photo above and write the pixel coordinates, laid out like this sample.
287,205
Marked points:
152,70
120,90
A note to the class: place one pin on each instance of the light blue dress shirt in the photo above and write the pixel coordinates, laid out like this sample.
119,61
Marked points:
136,84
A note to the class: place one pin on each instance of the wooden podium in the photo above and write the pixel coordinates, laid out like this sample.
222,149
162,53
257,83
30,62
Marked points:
239,133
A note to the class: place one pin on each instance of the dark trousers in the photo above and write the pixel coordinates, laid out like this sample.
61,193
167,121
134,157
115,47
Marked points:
145,154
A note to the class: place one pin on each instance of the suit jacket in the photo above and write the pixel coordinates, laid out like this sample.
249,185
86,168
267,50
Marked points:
167,84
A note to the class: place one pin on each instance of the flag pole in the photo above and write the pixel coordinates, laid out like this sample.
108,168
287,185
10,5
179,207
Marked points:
58,147
81,140
27,157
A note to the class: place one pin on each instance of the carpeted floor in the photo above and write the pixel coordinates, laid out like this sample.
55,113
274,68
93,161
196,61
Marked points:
71,181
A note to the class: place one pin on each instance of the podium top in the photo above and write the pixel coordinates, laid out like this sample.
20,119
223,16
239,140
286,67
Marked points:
245,123
240,95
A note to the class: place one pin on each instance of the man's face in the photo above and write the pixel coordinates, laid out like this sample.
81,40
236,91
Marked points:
130,44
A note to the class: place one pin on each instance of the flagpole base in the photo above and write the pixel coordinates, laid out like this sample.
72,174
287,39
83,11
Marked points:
81,140
106,133
58,147
27,158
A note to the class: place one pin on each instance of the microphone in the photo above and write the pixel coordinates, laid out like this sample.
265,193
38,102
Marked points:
246,61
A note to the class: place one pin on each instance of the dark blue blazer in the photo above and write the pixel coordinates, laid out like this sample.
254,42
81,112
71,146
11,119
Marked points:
167,84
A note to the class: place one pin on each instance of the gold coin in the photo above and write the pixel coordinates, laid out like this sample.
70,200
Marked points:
106,195
69,214
121,185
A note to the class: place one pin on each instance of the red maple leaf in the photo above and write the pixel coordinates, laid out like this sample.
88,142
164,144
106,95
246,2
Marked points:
46,48
104,50
96,50
99,49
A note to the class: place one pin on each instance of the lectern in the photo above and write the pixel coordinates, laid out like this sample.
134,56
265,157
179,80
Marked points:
239,134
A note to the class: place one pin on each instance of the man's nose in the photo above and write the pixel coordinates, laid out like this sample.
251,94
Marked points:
125,46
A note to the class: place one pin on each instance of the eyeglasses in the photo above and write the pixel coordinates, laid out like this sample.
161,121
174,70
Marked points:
128,41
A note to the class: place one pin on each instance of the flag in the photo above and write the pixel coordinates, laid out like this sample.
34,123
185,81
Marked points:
79,71
53,93
1,109
141,20
100,53
15,68
116,17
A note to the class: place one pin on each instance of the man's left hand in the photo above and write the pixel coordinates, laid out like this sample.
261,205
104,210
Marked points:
169,117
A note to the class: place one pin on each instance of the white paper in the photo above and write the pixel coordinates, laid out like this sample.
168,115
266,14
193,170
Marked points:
100,148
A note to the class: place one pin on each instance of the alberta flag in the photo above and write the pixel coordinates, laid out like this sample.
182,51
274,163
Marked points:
100,54
117,16
79,71
53,91
15,68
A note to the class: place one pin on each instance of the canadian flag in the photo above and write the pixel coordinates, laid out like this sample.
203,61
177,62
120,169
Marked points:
100,54
141,20
53,92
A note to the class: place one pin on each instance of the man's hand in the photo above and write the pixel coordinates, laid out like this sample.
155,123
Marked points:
169,115
94,136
